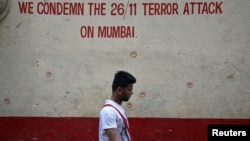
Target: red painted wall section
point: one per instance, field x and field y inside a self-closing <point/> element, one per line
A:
<point x="86" y="129"/>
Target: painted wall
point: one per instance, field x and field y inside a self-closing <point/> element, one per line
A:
<point x="85" y="128"/>
<point x="191" y="58"/>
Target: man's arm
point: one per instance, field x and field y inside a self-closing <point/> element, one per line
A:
<point x="113" y="134"/>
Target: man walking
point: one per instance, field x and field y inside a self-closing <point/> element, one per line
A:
<point x="113" y="122"/>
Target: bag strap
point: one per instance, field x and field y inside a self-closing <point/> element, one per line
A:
<point x="123" y="118"/>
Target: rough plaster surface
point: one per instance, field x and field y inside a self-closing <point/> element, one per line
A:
<point x="47" y="69"/>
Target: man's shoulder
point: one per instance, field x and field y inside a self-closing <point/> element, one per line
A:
<point x="113" y="104"/>
<point x="107" y="110"/>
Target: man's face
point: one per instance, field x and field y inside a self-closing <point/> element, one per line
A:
<point x="127" y="92"/>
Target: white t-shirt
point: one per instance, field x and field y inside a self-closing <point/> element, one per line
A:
<point x="110" y="118"/>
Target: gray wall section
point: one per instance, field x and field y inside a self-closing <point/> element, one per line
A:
<point x="187" y="66"/>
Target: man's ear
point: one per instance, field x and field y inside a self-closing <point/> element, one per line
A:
<point x="119" y="89"/>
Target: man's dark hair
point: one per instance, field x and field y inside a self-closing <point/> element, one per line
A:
<point x="122" y="79"/>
